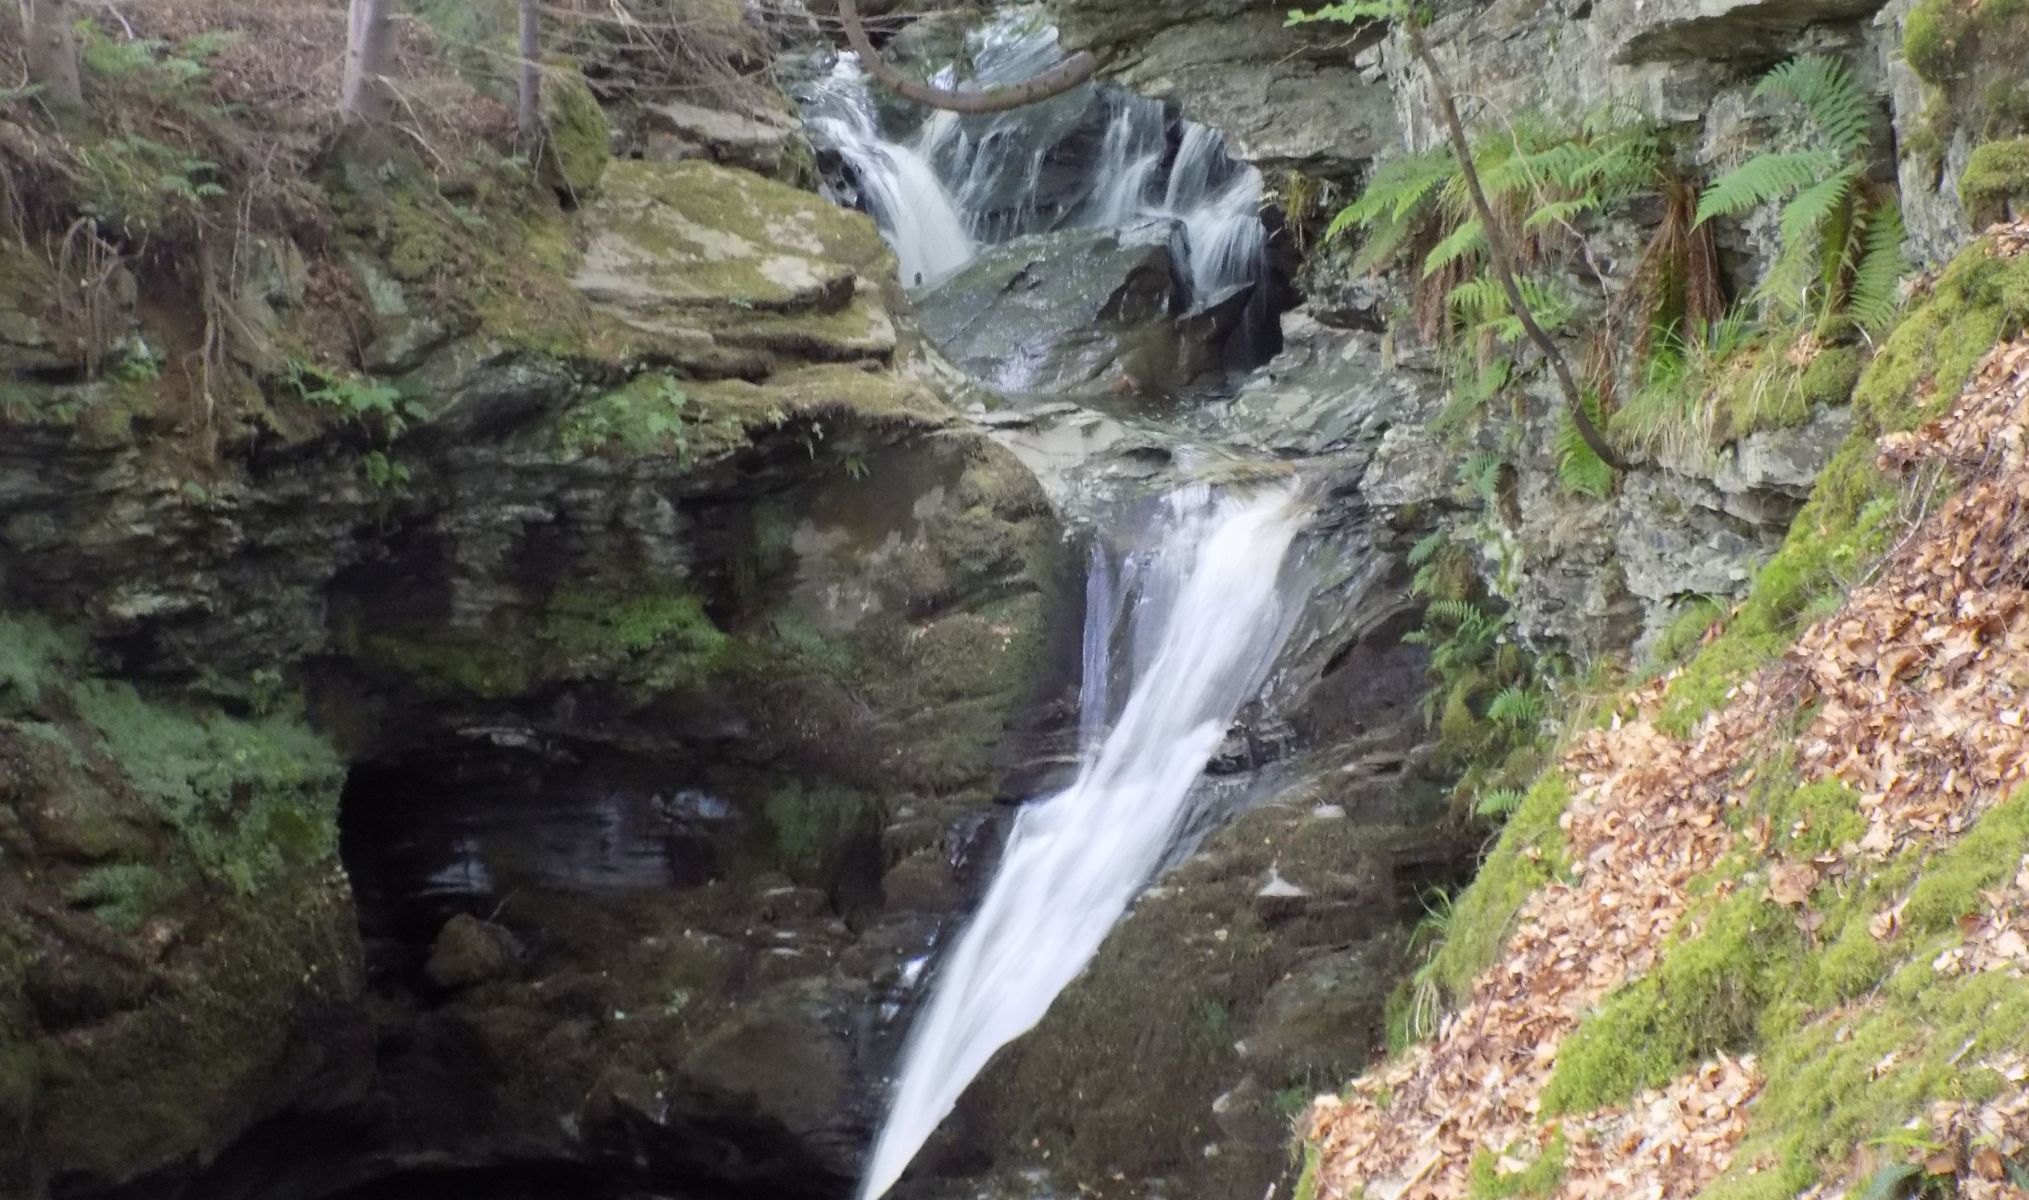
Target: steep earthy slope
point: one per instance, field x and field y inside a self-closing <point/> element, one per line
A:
<point x="1777" y="947"/>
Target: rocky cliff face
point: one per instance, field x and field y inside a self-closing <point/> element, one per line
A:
<point x="1579" y="576"/>
<point x="656" y="499"/>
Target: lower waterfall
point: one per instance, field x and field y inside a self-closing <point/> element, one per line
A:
<point x="1204" y="603"/>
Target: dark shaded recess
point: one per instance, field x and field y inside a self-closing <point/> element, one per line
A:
<point x="456" y="829"/>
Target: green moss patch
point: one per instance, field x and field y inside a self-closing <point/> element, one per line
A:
<point x="1996" y="177"/>
<point x="578" y="139"/>
<point x="1706" y="994"/>
<point x="253" y="801"/>
<point x="1541" y="1177"/>
<point x="1971" y="55"/>
<point x="31" y="650"/>
<point x="658" y="639"/>
<point x="450" y="662"/>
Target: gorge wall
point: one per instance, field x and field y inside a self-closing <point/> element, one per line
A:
<point x="512" y="662"/>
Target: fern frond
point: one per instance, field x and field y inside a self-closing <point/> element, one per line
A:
<point x="1580" y="470"/>
<point x="1498" y="804"/>
<point x="1468" y="239"/>
<point x="1426" y="549"/>
<point x="1803" y="216"/>
<point x="1482" y="473"/>
<point x="1516" y="706"/>
<point x="1761" y="179"/>
<point x="1385" y="242"/>
<point x="1477" y="299"/>
<point x="1872" y="300"/>
<point x="1826" y="90"/>
<point x="1454" y="612"/>
<point x="1791" y="278"/>
<point x="1400" y="187"/>
<point x="1560" y="212"/>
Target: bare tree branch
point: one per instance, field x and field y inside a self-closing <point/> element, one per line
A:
<point x="1054" y="82"/>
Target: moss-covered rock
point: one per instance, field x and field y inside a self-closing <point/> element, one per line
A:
<point x="577" y="139"/>
<point x="1995" y="180"/>
<point x="691" y="242"/>
<point x="191" y="966"/>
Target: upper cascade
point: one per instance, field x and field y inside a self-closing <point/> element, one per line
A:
<point x="1095" y="157"/>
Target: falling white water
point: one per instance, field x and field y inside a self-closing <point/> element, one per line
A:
<point x="900" y="188"/>
<point x="1208" y="619"/>
<point x="955" y="182"/>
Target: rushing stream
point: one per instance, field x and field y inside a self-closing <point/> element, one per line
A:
<point x="1206" y="614"/>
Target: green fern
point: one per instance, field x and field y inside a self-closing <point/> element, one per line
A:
<point x="1399" y="190"/>
<point x="1761" y="179"/>
<point x="1840" y="255"/>
<point x="1498" y="804"/>
<point x="1468" y="239"/>
<point x="1825" y="89"/>
<point x="1482" y="474"/>
<point x="1872" y="300"/>
<point x="1426" y="548"/>
<point x="1580" y="470"/>
<point x="1516" y="707"/>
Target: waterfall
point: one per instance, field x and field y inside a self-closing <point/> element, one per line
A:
<point x="955" y="182"/>
<point x="1206" y="607"/>
<point x="897" y="183"/>
<point x="1221" y="212"/>
<point x="1129" y="158"/>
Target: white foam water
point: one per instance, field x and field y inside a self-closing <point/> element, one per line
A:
<point x="1205" y="602"/>
<point x="915" y="213"/>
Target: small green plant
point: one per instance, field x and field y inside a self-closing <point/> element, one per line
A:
<point x="1481" y="475"/>
<point x="384" y="472"/>
<point x="1498" y="804"/>
<point x="1517" y="707"/>
<point x="647" y="416"/>
<point x="138" y="186"/>
<point x="161" y="71"/>
<point x="1580" y="470"/>
<point x="1841" y="253"/>
<point x="123" y="895"/>
<point x="383" y="408"/>
<point x="251" y="801"/>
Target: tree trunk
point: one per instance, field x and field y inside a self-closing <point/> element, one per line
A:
<point x="52" y="52"/>
<point x="369" y="52"/>
<point x="1501" y="256"/>
<point x="528" y="117"/>
<point x="1054" y="82"/>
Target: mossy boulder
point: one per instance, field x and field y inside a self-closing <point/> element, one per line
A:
<point x="1996" y="180"/>
<point x="577" y="139"/>
<point x="706" y="250"/>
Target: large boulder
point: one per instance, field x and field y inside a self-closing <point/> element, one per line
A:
<point x="1079" y="311"/>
